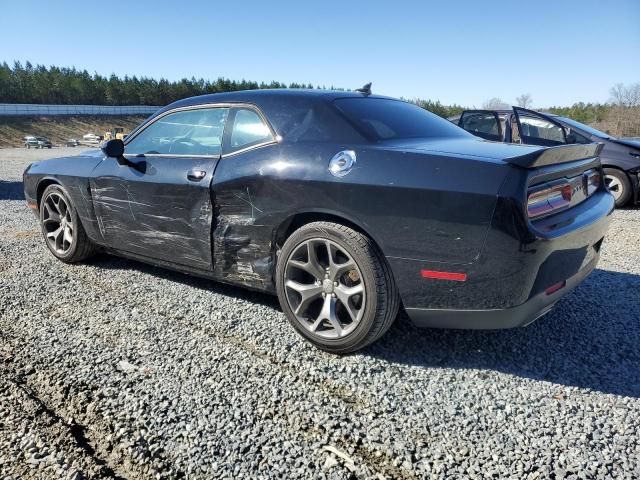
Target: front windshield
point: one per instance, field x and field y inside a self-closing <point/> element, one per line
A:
<point x="585" y="128"/>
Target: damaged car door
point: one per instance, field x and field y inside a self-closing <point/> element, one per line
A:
<point x="158" y="203"/>
<point x="243" y="191"/>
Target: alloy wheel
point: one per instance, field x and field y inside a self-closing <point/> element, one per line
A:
<point x="324" y="288"/>
<point x="615" y="186"/>
<point x="58" y="223"/>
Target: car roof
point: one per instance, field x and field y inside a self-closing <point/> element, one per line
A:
<point x="277" y="104"/>
<point x="257" y="97"/>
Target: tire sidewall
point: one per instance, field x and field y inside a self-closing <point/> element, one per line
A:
<point x="624" y="181"/>
<point x="368" y="278"/>
<point x="74" y="217"/>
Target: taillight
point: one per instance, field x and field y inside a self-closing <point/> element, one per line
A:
<point x="593" y="181"/>
<point x="548" y="200"/>
<point x="558" y="195"/>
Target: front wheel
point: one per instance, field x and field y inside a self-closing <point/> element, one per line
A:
<point x="619" y="185"/>
<point x="335" y="287"/>
<point x="61" y="228"/>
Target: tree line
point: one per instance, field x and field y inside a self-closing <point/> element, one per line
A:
<point x="67" y="86"/>
<point x="64" y="86"/>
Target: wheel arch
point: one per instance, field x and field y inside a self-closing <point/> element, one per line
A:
<point x="634" y="182"/>
<point x="296" y="220"/>
<point x="615" y="167"/>
<point x="42" y="186"/>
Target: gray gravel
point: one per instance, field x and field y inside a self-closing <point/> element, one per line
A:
<point x="113" y="369"/>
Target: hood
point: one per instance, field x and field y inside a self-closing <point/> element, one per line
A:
<point x="76" y="165"/>
<point x="633" y="142"/>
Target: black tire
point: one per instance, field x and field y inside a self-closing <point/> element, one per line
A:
<point x="622" y="186"/>
<point x="81" y="247"/>
<point x="381" y="299"/>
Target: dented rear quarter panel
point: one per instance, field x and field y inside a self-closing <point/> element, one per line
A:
<point x="416" y="206"/>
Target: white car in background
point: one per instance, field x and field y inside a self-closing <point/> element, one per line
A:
<point x="91" y="137"/>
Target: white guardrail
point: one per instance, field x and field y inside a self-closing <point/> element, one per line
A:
<point x="24" y="109"/>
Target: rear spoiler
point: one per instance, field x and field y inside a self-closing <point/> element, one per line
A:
<point x="559" y="154"/>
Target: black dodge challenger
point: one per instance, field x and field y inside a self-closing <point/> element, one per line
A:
<point x="345" y="204"/>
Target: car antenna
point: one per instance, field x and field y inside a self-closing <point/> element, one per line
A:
<point x="365" y="90"/>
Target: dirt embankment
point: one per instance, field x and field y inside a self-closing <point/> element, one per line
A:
<point x="59" y="129"/>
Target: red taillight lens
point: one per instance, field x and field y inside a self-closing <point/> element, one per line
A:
<point x="593" y="182"/>
<point x="555" y="287"/>
<point x="560" y="194"/>
<point x="548" y="200"/>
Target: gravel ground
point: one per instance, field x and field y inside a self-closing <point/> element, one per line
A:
<point x="114" y="369"/>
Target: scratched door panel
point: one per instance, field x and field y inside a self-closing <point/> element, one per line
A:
<point x="151" y="208"/>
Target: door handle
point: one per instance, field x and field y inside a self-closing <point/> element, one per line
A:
<point x="196" y="175"/>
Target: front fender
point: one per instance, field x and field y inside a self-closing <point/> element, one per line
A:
<point x="73" y="174"/>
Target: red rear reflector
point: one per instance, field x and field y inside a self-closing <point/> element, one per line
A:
<point x="555" y="287"/>
<point x="456" y="277"/>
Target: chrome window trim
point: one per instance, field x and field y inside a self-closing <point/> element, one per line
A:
<point x="252" y="147"/>
<point x="166" y="155"/>
<point x="275" y="137"/>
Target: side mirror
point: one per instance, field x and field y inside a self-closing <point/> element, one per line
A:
<point x="571" y="138"/>
<point x="115" y="148"/>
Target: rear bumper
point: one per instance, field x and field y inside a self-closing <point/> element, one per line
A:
<point x="519" y="316"/>
<point x="507" y="286"/>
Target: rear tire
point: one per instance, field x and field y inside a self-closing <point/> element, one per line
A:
<point x="335" y="287"/>
<point x="619" y="185"/>
<point x="61" y="227"/>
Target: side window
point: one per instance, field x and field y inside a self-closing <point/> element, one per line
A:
<point x="482" y="124"/>
<point x="248" y="130"/>
<point x="190" y="132"/>
<point x="546" y="132"/>
<point x="575" y="137"/>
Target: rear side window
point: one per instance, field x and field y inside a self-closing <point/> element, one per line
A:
<point x="575" y="137"/>
<point x="386" y="119"/>
<point x="482" y="124"/>
<point x="543" y="130"/>
<point x="190" y="132"/>
<point x="248" y="130"/>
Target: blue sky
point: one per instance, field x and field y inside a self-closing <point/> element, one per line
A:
<point x="454" y="51"/>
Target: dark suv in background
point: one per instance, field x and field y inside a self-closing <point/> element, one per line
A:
<point x="620" y="157"/>
<point x="37" y="142"/>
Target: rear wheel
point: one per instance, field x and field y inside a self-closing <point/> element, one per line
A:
<point x="63" y="233"/>
<point x="335" y="287"/>
<point x="619" y="185"/>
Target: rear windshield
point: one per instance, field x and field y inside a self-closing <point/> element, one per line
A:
<point x="387" y="119"/>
